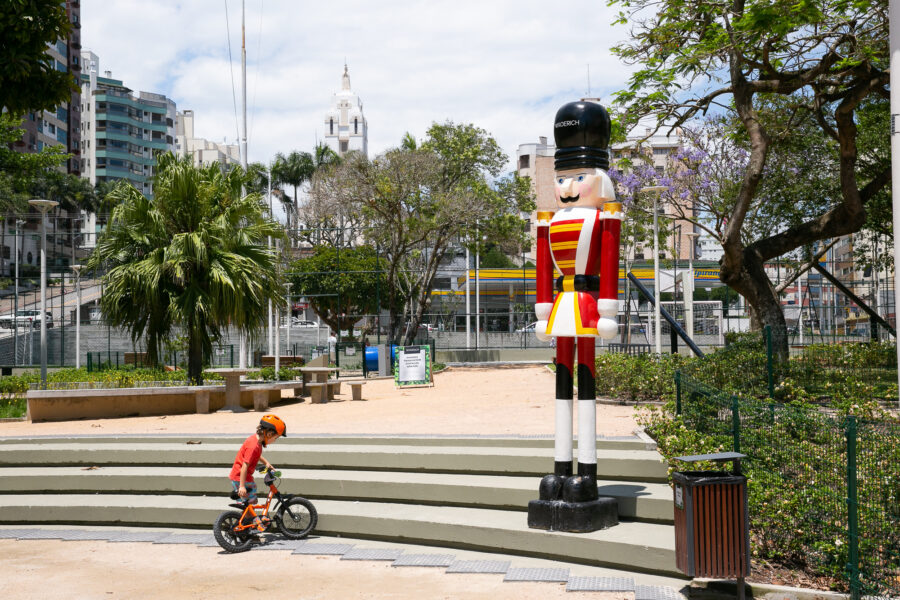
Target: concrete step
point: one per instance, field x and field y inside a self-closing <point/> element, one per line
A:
<point x="535" y="441"/>
<point x="634" y="546"/>
<point x="639" y="501"/>
<point x="612" y="464"/>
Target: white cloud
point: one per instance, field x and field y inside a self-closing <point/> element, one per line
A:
<point x="504" y="65"/>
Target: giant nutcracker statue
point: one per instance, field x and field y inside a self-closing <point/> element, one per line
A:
<point x="581" y="241"/>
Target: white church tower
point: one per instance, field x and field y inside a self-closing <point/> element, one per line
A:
<point x="345" y="125"/>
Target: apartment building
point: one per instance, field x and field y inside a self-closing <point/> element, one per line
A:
<point x="201" y="150"/>
<point x="121" y="131"/>
<point x="62" y="125"/>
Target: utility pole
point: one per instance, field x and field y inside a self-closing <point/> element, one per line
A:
<point x="269" y="196"/>
<point x="242" y="356"/>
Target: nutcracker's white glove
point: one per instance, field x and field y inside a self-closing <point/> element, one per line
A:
<point x="607" y="328"/>
<point x="540" y="331"/>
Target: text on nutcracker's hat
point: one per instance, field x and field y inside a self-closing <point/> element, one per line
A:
<point x="581" y="131"/>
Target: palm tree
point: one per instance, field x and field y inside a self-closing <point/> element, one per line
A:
<point x="294" y="170"/>
<point x="194" y="256"/>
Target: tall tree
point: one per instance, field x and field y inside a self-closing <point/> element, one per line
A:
<point x="825" y="59"/>
<point x="418" y="201"/>
<point x="29" y="79"/>
<point x="294" y="170"/>
<point x="194" y="256"/>
<point x="341" y="284"/>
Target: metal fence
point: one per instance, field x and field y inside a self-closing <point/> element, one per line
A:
<point x="824" y="489"/>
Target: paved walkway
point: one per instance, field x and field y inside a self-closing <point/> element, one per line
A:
<point x="126" y="563"/>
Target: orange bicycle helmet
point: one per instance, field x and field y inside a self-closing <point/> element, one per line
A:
<point x="273" y="423"/>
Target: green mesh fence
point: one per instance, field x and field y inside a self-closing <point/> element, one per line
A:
<point x="878" y="498"/>
<point x="824" y="490"/>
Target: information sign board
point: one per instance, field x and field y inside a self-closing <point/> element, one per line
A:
<point x="412" y="366"/>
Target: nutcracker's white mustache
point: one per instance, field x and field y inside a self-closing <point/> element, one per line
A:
<point x="566" y="200"/>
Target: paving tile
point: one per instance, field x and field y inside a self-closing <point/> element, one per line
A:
<point x="600" y="584"/>
<point x="137" y="536"/>
<point x="656" y="592"/>
<point x="279" y="544"/>
<point x="424" y="560"/>
<point x="323" y="548"/>
<point x="74" y="535"/>
<point x="373" y="554"/>
<point x="533" y="574"/>
<point x="42" y="534"/>
<point x="185" y="538"/>
<point x="479" y="566"/>
<point x="6" y="534"/>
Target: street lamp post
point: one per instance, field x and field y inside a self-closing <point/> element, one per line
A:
<point x="19" y="223"/>
<point x="77" y="270"/>
<point x="290" y="315"/>
<point x="655" y="190"/>
<point x="688" y="290"/>
<point x="43" y="206"/>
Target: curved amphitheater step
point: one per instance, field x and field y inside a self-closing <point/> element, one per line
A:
<point x="453" y="492"/>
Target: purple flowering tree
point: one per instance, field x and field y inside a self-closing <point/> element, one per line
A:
<point x="770" y="68"/>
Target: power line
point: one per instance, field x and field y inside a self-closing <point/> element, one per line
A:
<point x="231" y="71"/>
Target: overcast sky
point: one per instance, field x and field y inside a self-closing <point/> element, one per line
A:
<point x="504" y="65"/>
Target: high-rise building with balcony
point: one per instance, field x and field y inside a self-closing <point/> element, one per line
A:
<point x="121" y="131"/>
<point x="62" y="125"/>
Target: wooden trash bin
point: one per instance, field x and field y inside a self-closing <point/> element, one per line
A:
<point x="711" y="521"/>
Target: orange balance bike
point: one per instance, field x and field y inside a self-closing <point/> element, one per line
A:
<point x="294" y="516"/>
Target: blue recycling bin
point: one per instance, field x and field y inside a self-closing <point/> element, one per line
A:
<point x="372" y="359"/>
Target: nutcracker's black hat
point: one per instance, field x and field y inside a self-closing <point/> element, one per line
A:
<point x="581" y="131"/>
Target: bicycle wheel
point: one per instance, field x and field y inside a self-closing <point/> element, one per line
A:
<point x="297" y="518"/>
<point x="227" y="537"/>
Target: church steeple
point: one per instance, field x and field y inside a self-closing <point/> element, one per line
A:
<point x="345" y="80"/>
<point x="345" y="126"/>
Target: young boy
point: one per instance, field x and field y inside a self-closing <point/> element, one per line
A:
<point x="270" y="429"/>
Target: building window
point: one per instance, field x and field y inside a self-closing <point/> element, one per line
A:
<point x="524" y="161"/>
<point x="355" y="126"/>
<point x="344" y="147"/>
<point x="330" y="126"/>
<point x="661" y="151"/>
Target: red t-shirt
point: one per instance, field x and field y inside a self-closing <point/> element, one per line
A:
<point x="249" y="453"/>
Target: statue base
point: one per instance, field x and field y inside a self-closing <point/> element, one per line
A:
<point x="575" y="517"/>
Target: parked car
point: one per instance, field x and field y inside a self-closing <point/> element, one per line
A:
<point x="527" y="329"/>
<point x="24" y="318"/>
<point x="26" y="315"/>
<point x="296" y="322"/>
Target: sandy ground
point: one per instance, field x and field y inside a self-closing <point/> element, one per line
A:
<point x="499" y="401"/>
<point x="464" y="400"/>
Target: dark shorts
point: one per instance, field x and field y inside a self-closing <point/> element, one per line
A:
<point x="251" y="489"/>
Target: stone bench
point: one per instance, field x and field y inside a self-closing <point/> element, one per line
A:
<point x="71" y="404"/>
<point x="322" y="392"/>
<point x="356" y="388"/>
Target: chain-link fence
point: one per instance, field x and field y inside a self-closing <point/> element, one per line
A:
<point x="824" y="489"/>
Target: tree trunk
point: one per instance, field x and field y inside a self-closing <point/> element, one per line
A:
<point x="754" y="285"/>
<point x="195" y="355"/>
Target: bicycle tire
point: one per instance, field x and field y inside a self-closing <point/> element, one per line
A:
<point x="297" y="518"/>
<point x="230" y="540"/>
